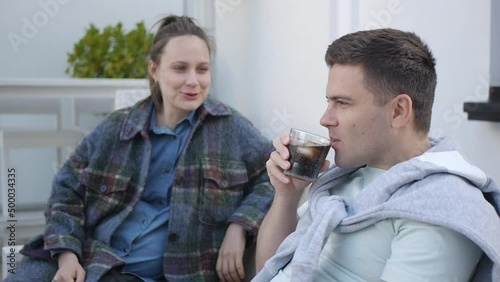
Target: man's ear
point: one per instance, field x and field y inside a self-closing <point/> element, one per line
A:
<point x="402" y="107"/>
<point x="152" y="70"/>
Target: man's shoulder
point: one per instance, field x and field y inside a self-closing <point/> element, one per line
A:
<point x="437" y="251"/>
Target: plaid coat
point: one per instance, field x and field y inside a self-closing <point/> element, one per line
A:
<point x="220" y="178"/>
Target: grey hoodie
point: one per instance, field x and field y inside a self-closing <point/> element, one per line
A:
<point x="438" y="187"/>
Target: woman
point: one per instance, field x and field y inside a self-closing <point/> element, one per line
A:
<point x="172" y="188"/>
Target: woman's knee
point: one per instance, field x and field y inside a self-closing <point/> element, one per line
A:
<point x="30" y="270"/>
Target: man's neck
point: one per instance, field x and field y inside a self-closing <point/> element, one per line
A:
<point x="404" y="149"/>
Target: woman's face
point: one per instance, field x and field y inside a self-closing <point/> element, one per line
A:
<point x="183" y="74"/>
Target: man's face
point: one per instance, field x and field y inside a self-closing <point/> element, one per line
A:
<point x="358" y="126"/>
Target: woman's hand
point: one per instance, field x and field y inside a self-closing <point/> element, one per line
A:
<point x="70" y="269"/>
<point x="230" y="261"/>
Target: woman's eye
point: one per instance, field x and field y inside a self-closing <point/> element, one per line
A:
<point x="179" y="68"/>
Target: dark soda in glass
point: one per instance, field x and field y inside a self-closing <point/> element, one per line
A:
<point x="306" y="159"/>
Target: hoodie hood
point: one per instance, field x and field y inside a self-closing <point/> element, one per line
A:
<point x="454" y="163"/>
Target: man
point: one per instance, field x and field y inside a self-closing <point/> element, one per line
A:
<point x="397" y="205"/>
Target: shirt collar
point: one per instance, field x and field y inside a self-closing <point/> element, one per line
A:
<point x="138" y="117"/>
<point x="191" y="118"/>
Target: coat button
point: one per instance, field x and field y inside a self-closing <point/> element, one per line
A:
<point x="104" y="188"/>
<point x="173" y="237"/>
<point x="224" y="183"/>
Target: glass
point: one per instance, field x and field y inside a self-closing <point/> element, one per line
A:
<point x="307" y="154"/>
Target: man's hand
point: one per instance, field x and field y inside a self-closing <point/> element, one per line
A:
<point x="281" y="219"/>
<point x="230" y="261"/>
<point x="70" y="269"/>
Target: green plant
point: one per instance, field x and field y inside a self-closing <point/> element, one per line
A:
<point x="111" y="53"/>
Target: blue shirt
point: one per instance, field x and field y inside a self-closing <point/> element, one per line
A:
<point x="141" y="239"/>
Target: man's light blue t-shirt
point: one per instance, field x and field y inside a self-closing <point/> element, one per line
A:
<point x="381" y="251"/>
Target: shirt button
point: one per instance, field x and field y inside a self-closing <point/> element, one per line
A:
<point x="125" y="250"/>
<point x="175" y="137"/>
<point x="144" y="222"/>
<point x="104" y="188"/>
<point x="173" y="237"/>
<point x="167" y="170"/>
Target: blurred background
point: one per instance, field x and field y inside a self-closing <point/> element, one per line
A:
<point x="269" y="64"/>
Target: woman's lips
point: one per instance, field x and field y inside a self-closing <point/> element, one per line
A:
<point x="188" y="95"/>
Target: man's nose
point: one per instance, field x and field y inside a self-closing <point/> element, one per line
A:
<point x="329" y="118"/>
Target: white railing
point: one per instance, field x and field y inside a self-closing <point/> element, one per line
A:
<point x="66" y="99"/>
<point x="62" y="97"/>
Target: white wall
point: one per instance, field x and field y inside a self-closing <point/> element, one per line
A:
<point x="35" y="36"/>
<point x="270" y="60"/>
